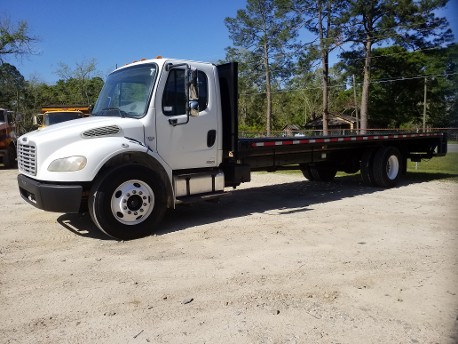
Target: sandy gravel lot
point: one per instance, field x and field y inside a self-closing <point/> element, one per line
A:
<point x="282" y="260"/>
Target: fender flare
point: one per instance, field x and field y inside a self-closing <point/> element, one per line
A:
<point x="150" y="160"/>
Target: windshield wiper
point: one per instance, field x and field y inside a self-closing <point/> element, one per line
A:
<point x="112" y="111"/>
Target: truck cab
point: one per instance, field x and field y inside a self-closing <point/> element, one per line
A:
<point x="154" y="139"/>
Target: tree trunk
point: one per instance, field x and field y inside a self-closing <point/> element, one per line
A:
<point x="268" y="90"/>
<point x="366" y="84"/>
<point x="324" y="47"/>
<point x="324" y="60"/>
<point x="368" y="20"/>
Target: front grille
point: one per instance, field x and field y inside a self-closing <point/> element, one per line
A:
<point x="27" y="159"/>
<point x="103" y="131"/>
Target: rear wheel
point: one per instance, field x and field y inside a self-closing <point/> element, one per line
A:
<point x="306" y="172"/>
<point x="366" y="168"/>
<point x="387" y="167"/>
<point x="128" y="202"/>
<point x="323" y="172"/>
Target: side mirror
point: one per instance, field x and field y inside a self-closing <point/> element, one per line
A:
<point x="10" y="118"/>
<point x="193" y="106"/>
<point x="190" y="83"/>
<point x="38" y="120"/>
<point x="193" y="92"/>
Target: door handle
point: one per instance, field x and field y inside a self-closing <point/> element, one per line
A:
<point x="211" y="138"/>
<point x="179" y="120"/>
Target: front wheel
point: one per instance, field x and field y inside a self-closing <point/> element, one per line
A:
<point x="128" y="202"/>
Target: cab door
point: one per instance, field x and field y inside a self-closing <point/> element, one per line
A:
<point x="185" y="141"/>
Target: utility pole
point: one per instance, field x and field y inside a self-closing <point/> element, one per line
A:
<point x="424" y="108"/>
<point x="356" y="104"/>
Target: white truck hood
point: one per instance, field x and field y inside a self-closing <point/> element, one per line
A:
<point x="94" y="137"/>
<point x="65" y="132"/>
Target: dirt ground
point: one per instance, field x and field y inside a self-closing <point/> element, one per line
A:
<point x="281" y="260"/>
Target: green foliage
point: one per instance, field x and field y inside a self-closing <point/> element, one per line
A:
<point x="28" y="97"/>
<point x="305" y="98"/>
<point x="406" y="23"/>
<point x="398" y="81"/>
<point x="417" y="37"/>
<point x="396" y="46"/>
<point x="396" y="102"/>
<point x="324" y="19"/>
<point x="15" y="40"/>
<point x="442" y="86"/>
<point x="261" y="33"/>
<point x="12" y="85"/>
<point x="77" y="86"/>
<point x="79" y="82"/>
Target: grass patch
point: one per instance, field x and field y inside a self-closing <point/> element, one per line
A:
<point x="447" y="165"/>
<point x="441" y="168"/>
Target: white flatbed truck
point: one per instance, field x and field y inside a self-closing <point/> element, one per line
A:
<point x="165" y="131"/>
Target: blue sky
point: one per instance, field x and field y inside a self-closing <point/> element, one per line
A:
<point x="118" y="32"/>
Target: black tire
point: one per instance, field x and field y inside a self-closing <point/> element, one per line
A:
<point x="128" y="202"/>
<point x="9" y="160"/>
<point x="352" y="165"/>
<point x="306" y="172"/>
<point x="387" y="167"/>
<point x="366" y="168"/>
<point x="323" y="173"/>
<point x="351" y="169"/>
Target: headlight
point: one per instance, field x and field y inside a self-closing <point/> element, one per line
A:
<point x="68" y="164"/>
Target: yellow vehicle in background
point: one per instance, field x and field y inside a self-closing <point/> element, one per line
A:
<point x="60" y="113"/>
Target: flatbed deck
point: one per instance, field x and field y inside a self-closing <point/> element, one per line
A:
<point x="272" y="152"/>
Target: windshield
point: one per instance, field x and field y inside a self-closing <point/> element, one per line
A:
<point x="126" y="92"/>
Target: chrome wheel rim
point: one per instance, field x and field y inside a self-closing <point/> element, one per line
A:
<point x="132" y="202"/>
<point x="392" y="167"/>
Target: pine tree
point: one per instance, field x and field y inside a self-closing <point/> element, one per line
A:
<point x="407" y="23"/>
<point x="322" y="18"/>
<point x="265" y="30"/>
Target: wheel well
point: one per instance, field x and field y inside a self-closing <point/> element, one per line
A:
<point x="145" y="160"/>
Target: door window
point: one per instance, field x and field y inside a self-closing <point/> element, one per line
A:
<point x="174" y="97"/>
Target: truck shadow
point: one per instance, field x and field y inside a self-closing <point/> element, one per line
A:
<point x="82" y="225"/>
<point x="278" y="199"/>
